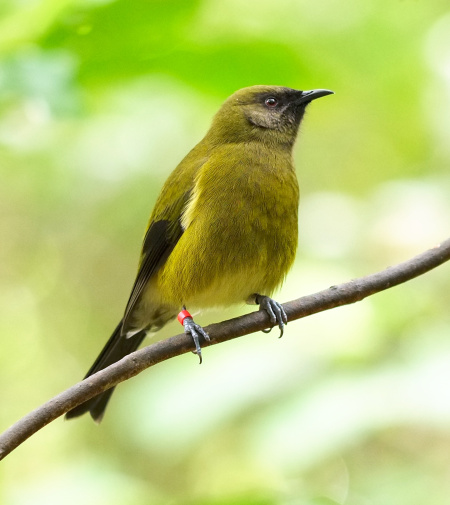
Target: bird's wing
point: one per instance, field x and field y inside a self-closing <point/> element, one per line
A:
<point x="162" y="235"/>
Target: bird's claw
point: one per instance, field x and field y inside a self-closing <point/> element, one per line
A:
<point x="194" y="330"/>
<point x="275" y="310"/>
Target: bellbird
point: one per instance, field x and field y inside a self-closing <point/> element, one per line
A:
<point x="224" y="227"/>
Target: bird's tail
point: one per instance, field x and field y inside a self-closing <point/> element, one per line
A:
<point x="115" y="349"/>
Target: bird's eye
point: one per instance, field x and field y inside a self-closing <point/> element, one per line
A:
<point x="271" y="102"/>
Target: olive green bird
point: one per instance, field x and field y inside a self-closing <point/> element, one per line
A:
<point x="224" y="228"/>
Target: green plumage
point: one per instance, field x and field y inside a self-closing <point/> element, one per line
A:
<point x="224" y="228"/>
<point x="243" y="213"/>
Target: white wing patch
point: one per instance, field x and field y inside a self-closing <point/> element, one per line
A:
<point x="189" y="208"/>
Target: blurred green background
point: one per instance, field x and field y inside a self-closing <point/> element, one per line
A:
<point x="99" y="100"/>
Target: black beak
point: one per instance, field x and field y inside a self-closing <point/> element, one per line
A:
<point x="309" y="96"/>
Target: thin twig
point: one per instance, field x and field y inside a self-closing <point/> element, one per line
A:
<point x="138" y="361"/>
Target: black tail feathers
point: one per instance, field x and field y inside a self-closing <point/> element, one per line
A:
<point x="115" y="349"/>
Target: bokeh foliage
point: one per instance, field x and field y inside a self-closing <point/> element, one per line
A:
<point x="99" y="100"/>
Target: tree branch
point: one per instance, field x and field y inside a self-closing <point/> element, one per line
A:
<point x="138" y="361"/>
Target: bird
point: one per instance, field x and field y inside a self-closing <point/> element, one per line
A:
<point x="223" y="229"/>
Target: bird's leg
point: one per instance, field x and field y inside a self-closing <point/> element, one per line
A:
<point x="193" y="329"/>
<point x="277" y="314"/>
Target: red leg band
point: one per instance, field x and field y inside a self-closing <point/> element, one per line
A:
<point x="183" y="315"/>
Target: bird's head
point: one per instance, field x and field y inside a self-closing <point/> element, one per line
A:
<point x="270" y="114"/>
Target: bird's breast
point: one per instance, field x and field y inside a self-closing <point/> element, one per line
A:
<point x="240" y="232"/>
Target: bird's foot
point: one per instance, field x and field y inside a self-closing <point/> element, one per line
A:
<point x="194" y="330"/>
<point x="277" y="314"/>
